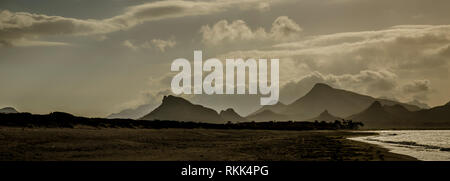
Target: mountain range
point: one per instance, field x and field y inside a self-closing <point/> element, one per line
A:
<point x="321" y="103"/>
<point x="397" y="116"/>
<point x="325" y="116"/>
<point x="322" y="97"/>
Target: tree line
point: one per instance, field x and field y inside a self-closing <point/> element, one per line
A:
<point x="65" y="120"/>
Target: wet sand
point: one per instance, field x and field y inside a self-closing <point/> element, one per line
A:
<point x="187" y="144"/>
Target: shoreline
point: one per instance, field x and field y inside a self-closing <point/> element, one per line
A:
<point x="424" y="145"/>
<point x="174" y="144"/>
<point x="391" y="155"/>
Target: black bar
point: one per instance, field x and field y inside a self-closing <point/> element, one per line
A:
<point x="275" y="170"/>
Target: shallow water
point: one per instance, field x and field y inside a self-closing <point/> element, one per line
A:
<point x="427" y="145"/>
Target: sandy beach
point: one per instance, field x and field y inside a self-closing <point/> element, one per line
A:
<point x="32" y="144"/>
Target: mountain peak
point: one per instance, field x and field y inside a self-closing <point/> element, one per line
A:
<point x="320" y="89"/>
<point x="170" y="99"/>
<point x="229" y="110"/>
<point x="325" y="112"/>
<point x="179" y="109"/>
<point x="8" y="110"/>
<point x="322" y="86"/>
<point x="231" y="115"/>
<point x="325" y="116"/>
<point x="375" y="105"/>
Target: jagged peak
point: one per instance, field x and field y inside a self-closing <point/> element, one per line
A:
<point x="322" y="86"/>
<point x="375" y="104"/>
<point x="229" y="110"/>
<point x="174" y="99"/>
<point x="325" y="112"/>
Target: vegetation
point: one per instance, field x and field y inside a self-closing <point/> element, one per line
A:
<point x="65" y="120"/>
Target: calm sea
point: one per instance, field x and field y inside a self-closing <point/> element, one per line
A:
<point x="429" y="145"/>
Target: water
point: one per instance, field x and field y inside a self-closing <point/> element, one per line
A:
<point x="427" y="145"/>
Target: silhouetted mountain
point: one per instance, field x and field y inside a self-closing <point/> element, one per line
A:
<point x="278" y="107"/>
<point x="397" y="116"/>
<point x="8" y="110"/>
<point x="342" y="103"/>
<point x="434" y="116"/>
<point x="267" y="115"/>
<point x="133" y="113"/>
<point x="231" y="115"/>
<point x="379" y="116"/>
<point x="179" y="109"/>
<point x="325" y="116"/>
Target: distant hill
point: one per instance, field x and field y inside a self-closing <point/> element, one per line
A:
<point x="379" y="116"/>
<point x="267" y="115"/>
<point x="8" y="110"/>
<point x="231" y="115"/>
<point x="132" y="113"/>
<point x="439" y="115"/>
<point x="322" y="97"/>
<point x="325" y="116"/>
<point x="279" y="107"/>
<point x="179" y="109"/>
<point x="397" y="116"/>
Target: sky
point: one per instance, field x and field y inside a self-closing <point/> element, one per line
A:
<point x="94" y="58"/>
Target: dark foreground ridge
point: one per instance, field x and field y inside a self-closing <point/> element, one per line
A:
<point x="65" y="120"/>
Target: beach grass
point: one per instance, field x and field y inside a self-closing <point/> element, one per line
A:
<point x="31" y="144"/>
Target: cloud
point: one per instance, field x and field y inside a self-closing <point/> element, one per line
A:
<point x="158" y="44"/>
<point x="28" y="26"/>
<point x="376" y="83"/>
<point x="16" y="29"/>
<point x="163" y="44"/>
<point x="417" y="86"/>
<point x="417" y="89"/>
<point x="411" y="52"/>
<point x="127" y="43"/>
<point x="283" y="28"/>
<point x="406" y="49"/>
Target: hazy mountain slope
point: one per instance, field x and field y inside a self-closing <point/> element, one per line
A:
<point x="340" y="102"/>
<point x="438" y="114"/>
<point x="267" y="115"/>
<point x="325" y="116"/>
<point x="419" y="104"/>
<point x="276" y="108"/>
<point x="397" y="116"/>
<point x="133" y="113"/>
<point x="231" y="115"/>
<point x="379" y="116"/>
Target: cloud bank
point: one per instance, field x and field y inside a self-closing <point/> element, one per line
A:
<point x="282" y="29"/>
<point x="369" y="62"/>
<point x="22" y="28"/>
